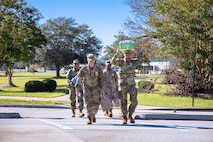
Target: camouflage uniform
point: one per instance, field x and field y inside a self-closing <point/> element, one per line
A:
<point x="111" y="88"/>
<point x="93" y="82"/>
<point x="72" y="92"/>
<point x="127" y="83"/>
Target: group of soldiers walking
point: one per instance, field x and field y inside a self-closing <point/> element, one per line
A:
<point x="91" y="83"/>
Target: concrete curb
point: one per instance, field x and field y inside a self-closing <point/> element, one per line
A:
<point x="9" y="115"/>
<point x="143" y="114"/>
<point x="174" y="117"/>
<point x="184" y="109"/>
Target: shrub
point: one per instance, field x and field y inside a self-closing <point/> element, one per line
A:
<point x="171" y="76"/>
<point x="145" y="86"/>
<point x="34" y="86"/>
<point x="183" y="82"/>
<point x="40" y="86"/>
<point x="50" y="85"/>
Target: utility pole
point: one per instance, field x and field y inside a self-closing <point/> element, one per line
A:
<point x="194" y="67"/>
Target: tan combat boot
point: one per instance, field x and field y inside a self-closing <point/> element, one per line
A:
<point x="89" y="121"/>
<point x="81" y="114"/>
<point x="110" y="113"/>
<point x="73" y="112"/>
<point x="106" y="113"/>
<point x="124" y="120"/>
<point x="93" y="118"/>
<point x="130" y="118"/>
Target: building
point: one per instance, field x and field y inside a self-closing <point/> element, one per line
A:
<point x="157" y="66"/>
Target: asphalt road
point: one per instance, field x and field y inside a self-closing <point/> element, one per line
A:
<point x="56" y="125"/>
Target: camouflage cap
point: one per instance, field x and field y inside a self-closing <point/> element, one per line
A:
<point x="91" y="56"/>
<point x="127" y="51"/>
<point x="108" y="62"/>
<point x="76" y="61"/>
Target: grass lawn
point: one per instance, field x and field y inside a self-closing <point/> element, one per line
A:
<point x="20" y="78"/>
<point x="155" y="98"/>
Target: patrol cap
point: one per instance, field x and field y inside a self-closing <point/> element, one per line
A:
<point x="91" y="56"/>
<point x="76" y="61"/>
<point x="108" y="62"/>
<point x="128" y="51"/>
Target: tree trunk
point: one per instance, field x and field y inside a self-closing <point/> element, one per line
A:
<point x="9" y="72"/>
<point x="57" y="71"/>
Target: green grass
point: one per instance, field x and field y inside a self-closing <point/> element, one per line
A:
<point x="152" y="76"/>
<point x="155" y="98"/>
<point x="20" y="78"/>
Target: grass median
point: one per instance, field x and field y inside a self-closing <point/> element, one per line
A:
<point x="154" y="98"/>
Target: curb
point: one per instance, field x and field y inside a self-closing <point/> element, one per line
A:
<point x="144" y="116"/>
<point x="38" y="106"/>
<point x="185" y="109"/>
<point x="174" y="117"/>
<point x="9" y="115"/>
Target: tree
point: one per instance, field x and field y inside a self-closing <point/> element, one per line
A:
<point x="19" y="34"/>
<point x="66" y="42"/>
<point x="142" y="11"/>
<point x="144" y="44"/>
<point x="87" y="42"/>
<point x="175" y="23"/>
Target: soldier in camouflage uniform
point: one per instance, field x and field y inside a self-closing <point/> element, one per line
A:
<point x="92" y="78"/>
<point x="111" y="88"/>
<point x="126" y="82"/>
<point x="72" y="90"/>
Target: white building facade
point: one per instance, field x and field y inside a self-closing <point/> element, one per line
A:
<point x="158" y="66"/>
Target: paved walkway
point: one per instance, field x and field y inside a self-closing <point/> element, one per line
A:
<point x="63" y="98"/>
<point x="141" y="112"/>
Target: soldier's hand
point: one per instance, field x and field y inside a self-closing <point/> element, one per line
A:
<point x="136" y="51"/>
<point x="102" y="92"/>
<point x="118" y="51"/>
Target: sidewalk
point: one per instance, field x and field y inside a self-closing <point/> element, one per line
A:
<point x="141" y="112"/>
<point x="64" y="97"/>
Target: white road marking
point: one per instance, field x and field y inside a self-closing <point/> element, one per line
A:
<point x="63" y="127"/>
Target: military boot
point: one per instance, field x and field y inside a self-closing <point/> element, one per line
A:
<point x="110" y="113"/>
<point x="124" y="120"/>
<point x="106" y="113"/>
<point x="130" y="118"/>
<point x="93" y="118"/>
<point x="81" y="114"/>
<point x="89" y="121"/>
<point x="73" y="112"/>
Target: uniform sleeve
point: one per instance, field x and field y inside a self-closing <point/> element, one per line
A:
<point x="80" y="77"/>
<point x="115" y="60"/>
<point x="69" y="75"/>
<point x="102" y="79"/>
<point x="116" y="79"/>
